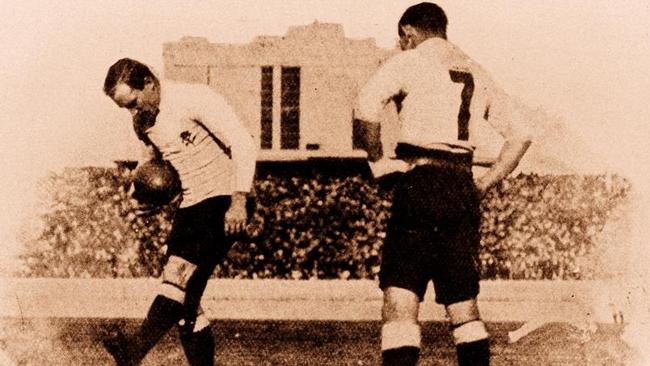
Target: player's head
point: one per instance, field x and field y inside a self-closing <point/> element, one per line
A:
<point x="132" y="85"/>
<point x="421" y="22"/>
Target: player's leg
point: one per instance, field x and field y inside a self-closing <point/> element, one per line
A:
<point x="457" y="286"/>
<point x="470" y="335"/>
<point x="213" y="245"/>
<point x="198" y="341"/>
<point x="400" y="332"/>
<point x="457" y="275"/>
<point x="403" y="276"/>
<point x="404" y="288"/>
<point x="194" y="329"/>
<point x="165" y="310"/>
<point x="168" y="307"/>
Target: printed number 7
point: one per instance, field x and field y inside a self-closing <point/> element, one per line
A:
<point x="467" y="80"/>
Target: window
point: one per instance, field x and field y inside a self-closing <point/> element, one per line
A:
<point x="266" y="93"/>
<point x="357" y="134"/>
<point x="290" y="108"/>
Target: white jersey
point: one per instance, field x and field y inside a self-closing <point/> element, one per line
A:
<point x="443" y="96"/>
<point x="200" y="135"/>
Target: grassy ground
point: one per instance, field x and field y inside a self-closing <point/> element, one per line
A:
<point x="73" y="342"/>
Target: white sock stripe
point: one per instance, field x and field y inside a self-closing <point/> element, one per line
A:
<point x="400" y="334"/>
<point x="172" y="292"/>
<point x="470" y="332"/>
<point x="201" y="323"/>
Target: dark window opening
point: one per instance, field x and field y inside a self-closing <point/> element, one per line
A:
<point x="266" y="120"/>
<point x="290" y="108"/>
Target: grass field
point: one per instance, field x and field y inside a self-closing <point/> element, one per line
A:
<point x="63" y="341"/>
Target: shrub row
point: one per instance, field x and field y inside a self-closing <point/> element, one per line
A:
<point x="319" y="226"/>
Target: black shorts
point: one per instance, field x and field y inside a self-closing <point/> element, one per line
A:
<point x="433" y="234"/>
<point x="198" y="234"/>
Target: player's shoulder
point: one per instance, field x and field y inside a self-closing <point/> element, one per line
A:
<point x="457" y="59"/>
<point x="401" y="59"/>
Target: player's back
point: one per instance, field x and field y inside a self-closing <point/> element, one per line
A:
<point x="444" y="94"/>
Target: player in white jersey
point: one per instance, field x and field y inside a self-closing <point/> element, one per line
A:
<point x="433" y="232"/>
<point x="199" y="134"/>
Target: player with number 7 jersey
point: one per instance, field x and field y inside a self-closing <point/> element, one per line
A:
<point x="446" y="94"/>
<point x="433" y="231"/>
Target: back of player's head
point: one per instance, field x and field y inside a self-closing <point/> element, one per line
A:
<point x="425" y="16"/>
<point x="131" y="72"/>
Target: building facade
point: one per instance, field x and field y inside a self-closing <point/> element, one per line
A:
<point x="295" y="93"/>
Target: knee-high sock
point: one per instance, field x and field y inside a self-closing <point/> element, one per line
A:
<point x="472" y="344"/>
<point x="162" y="315"/>
<point x="195" y="332"/>
<point x="198" y="342"/>
<point x="400" y="343"/>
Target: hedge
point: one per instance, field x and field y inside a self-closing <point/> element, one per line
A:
<point x="319" y="226"/>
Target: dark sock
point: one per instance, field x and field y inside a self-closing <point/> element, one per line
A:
<point x="198" y="347"/>
<point x="403" y="356"/>
<point x="163" y="314"/>
<point x="474" y="353"/>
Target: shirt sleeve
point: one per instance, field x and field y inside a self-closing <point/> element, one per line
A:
<point x="382" y="87"/>
<point x="506" y="116"/>
<point x="220" y="119"/>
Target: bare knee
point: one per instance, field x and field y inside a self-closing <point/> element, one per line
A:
<point x="178" y="271"/>
<point x="176" y="274"/>
<point x="400" y="305"/>
<point x="399" y="315"/>
<point x="463" y="312"/>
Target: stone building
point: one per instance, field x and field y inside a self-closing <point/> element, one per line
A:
<point x="294" y="92"/>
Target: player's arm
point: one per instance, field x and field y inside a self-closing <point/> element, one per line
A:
<point x="512" y="151"/>
<point x="370" y="139"/>
<point x="380" y="90"/>
<point x="151" y="153"/>
<point x="508" y="121"/>
<point x="220" y="119"/>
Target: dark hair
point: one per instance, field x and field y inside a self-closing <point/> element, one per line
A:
<point x="428" y="17"/>
<point x="131" y="72"/>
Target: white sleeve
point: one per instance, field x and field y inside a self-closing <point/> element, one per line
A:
<point x="506" y="117"/>
<point x="220" y="119"/>
<point x="385" y="84"/>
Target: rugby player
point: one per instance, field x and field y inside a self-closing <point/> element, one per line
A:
<point x="196" y="130"/>
<point x="433" y="232"/>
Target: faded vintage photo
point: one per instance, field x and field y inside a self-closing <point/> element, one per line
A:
<point x="317" y="182"/>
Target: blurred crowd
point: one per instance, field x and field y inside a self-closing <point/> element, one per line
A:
<point x="318" y="226"/>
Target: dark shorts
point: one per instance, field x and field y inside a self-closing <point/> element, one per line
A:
<point x="198" y="234"/>
<point x="433" y="234"/>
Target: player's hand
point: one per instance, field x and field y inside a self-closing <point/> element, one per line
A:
<point x="176" y="201"/>
<point x="236" y="216"/>
<point x="387" y="166"/>
<point x="141" y="209"/>
<point x="387" y="172"/>
<point x="481" y="187"/>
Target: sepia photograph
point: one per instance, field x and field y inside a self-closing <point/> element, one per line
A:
<point x="312" y="182"/>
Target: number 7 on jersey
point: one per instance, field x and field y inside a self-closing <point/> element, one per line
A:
<point x="467" y="80"/>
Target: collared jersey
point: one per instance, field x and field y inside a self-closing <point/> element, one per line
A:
<point x="441" y="95"/>
<point x="201" y="136"/>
